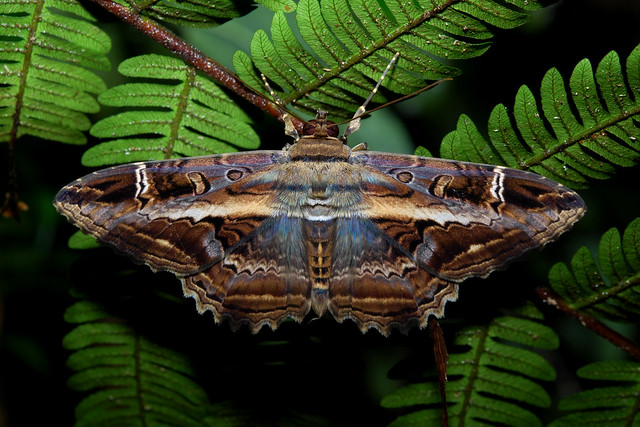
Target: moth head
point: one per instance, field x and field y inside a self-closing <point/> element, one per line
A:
<point x="320" y="126"/>
<point x="319" y="140"/>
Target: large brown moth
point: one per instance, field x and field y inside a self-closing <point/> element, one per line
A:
<point x="262" y="236"/>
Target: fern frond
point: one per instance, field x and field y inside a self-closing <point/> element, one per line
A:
<point x="131" y="380"/>
<point x="604" y="135"/>
<point x="46" y="49"/>
<point x="190" y="13"/>
<point x="609" y="406"/>
<point x="79" y="240"/>
<point x="488" y="382"/>
<point x="609" y="287"/>
<point x="285" y="6"/>
<point x="351" y="42"/>
<point x="192" y="117"/>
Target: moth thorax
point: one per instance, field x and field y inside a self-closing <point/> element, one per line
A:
<point x="325" y="149"/>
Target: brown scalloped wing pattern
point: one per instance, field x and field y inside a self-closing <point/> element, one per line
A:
<point x="260" y="237"/>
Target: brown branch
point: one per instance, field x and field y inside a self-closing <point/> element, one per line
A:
<point x="195" y="58"/>
<point x="442" y="357"/>
<point x="548" y="296"/>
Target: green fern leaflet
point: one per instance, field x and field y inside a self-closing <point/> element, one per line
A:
<point x="46" y="51"/>
<point x="346" y="45"/>
<point x="617" y="405"/>
<point x="192" y="117"/>
<point x="131" y="380"/>
<point x="589" y="146"/>
<point x="609" y="287"/>
<point x="190" y="13"/>
<point x="491" y="382"/>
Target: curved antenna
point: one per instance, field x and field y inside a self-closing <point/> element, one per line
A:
<point x="354" y="123"/>
<point x="289" y="127"/>
<point x="395" y="101"/>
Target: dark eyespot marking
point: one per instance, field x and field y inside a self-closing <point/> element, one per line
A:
<point x="405" y="177"/>
<point x="234" y="174"/>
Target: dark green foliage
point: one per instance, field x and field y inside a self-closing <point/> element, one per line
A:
<point x="575" y="149"/>
<point x="611" y="405"/>
<point x="608" y="287"/>
<point x="132" y="381"/>
<point x="192" y="13"/>
<point x="79" y="240"/>
<point x="349" y="44"/>
<point x="492" y="380"/>
<point x="46" y="52"/>
<point x="285" y="6"/>
<point x="192" y="117"/>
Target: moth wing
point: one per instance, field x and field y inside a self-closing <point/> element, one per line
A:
<point x="378" y="283"/>
<point x="176" y="215"/>
<point x="263" y="281"/>
<point x="463" y="219"/>
<point x="209" y="220"/>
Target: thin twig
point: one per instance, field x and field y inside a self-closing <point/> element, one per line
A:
<point x="548" y="296"/>
<point x="195" y="58"/>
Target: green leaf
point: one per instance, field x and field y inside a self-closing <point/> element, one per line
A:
<point x="130" y="380"/>
<point x="346" y="45"/>
<point x="79" y="240"/>
<point x="489" y="381"/>
<point x="285" y="6"/>
<point x="191" y="13"/>
<point x="422" y="151"/>
<point x="609" y="287"/>
<point x="192" y="117"/>
<point x="577" y="148"/>
<point x="46" y="51"/>
<point x="475" y="146"/>
<point x="610" y="405"/>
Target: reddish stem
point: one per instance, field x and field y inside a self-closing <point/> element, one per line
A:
<point x="442" y="357"/>
<point x="195" y="58"/>
<point x="548" y="296"/>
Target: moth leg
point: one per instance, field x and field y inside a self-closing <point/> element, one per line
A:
<point x="442" y="357"/>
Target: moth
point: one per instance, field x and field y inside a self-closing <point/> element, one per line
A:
<point x="263" y="236"/>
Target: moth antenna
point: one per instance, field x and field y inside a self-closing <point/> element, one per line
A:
<point x="274" y="95"/>
<point x="411" y="95"/>
<point x="354" y="124"/>
<point x="289" y="127"/>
